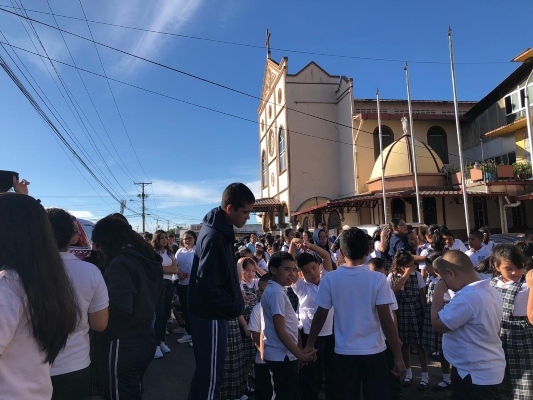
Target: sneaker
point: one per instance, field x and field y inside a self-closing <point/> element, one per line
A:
<point x="185" y="339"/>
<point x="164" y="348"/>
<point x="158" y="353"/>
<point x="180" y="330"/>
<point x="166" y="332"/>
<point x="171" y="321"/>
<point x="190" y="344"/>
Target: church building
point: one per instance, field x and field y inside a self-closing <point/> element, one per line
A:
<point x="320" y="158"/>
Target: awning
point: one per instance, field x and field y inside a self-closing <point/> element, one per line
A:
<point x="506" y="129"/>
<point x="525" y="196"/>
<point x="265" y="204"/>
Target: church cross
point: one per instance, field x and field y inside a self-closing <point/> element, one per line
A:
<point x="267" y="43"/>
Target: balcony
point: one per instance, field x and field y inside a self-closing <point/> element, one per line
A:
<point x="489" y="172"/>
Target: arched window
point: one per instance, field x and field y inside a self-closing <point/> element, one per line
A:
<point x="429" y="207"/>
<point x="388" y="138"/>
<point x="263" y="170"/>
<point x="305" y="224"/>
<point x="281" y="150"/>
<point x="438" y="141"/>
<point x="334" y="220"/>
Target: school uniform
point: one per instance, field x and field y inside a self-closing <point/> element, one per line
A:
<point x="489" y="246"/>
<point x="263" y="380"/>
<point x="360" y="361"/>
<point x="476" y="256"/>
<point x="410" y="313"/>
<point x="472" y="345"/>
<point x="517" y="339"/>
<point x="310" y="377"/>
<point x="432" y="340"/>
<point x="250" y="289"/>
<point x="234" y="384"/>
<point x="281" y="362"/>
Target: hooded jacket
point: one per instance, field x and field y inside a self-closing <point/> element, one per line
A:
<point x="214" y="290"/>
<point x="134" y="284"/>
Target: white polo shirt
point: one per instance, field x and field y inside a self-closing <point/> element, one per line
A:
<point x="257" y="324"/>
<point x="23" y="372"/>
<point x="355" y="292"/>
<point x="473" y="346"/>
<point x="459" y="245"/>
<point x="307" y="293"/>
<point x="477" y="256"/>
<point x="276" y="302"/>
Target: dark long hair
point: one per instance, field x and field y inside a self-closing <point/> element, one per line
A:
<point x="62" y="225"/>
<point x="29" y="248"/>
<point x="437" y="241"/>
<point x="401" y="259"/>
<point x="112" y="235"/>
<point x="157" y="245"/>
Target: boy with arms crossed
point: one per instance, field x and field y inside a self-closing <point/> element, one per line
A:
<point x="361" y="299"/>
<point x="281" y="339"/>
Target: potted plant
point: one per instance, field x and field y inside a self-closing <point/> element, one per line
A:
<point x="489" y="169"/>
<point x="522" y="170"/>
<point x="505" y="171"/>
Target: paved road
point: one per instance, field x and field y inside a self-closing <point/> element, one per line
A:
<point x="169" y="378"/>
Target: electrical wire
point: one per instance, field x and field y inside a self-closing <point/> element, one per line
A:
<point x="229" y="114"/>
<point x="218" y="41"/>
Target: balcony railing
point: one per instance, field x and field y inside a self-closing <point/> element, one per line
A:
<point x="489" y="171"/>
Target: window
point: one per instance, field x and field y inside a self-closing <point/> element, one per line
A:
<point x="305" y="224"/>
<point x="438" y="141"/>
<point x="429" y="208"/>
<point x="480" y="211"/>
<point x="388" y="138"/>
<point x="334" y="220"/>
<point x="518" y="216"/>
<point x="398" y="208"/>
<point x="281" y="150"/>
<point x="264" y="170"/>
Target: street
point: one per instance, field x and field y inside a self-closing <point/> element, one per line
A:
<point x="168" y="378"/>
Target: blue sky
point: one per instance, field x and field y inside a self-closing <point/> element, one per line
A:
<point x="191" y="154"/>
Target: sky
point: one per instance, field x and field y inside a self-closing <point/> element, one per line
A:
<point x="190" y="154"/>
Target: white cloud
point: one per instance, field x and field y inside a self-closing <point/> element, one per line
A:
<point x="84" y="214"/>
<point x="171" y="194"/>
<point x="161" y="15"/>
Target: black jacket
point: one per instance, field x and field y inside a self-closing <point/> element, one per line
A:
<point x="214" y="290"/>
<point x="134" y="284"/>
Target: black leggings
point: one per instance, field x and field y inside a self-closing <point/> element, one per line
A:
<point x="72" y="385"/>
<point x="182" y="295"/>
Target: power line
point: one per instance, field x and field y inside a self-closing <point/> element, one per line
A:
<point x="262" y="47"/>
<point x="184" y="73"/>
<point x="111" y="90"/>
<point x="225" y="113"/>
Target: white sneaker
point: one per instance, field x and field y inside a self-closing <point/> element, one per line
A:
<point x="158" y="353"/>
<point x="164" y="348"/>
<point x="185" y="339"/>
<point x="190" y="344"/>
<point x="180" y="330"/>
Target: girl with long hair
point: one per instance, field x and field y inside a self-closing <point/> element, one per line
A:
<point x="134" y="277"/>
<point x="409" y="288"/>
<point x="185" y="257"/>
<point x="71" y="373"/>
<point x="170" y="268"/>
<point x="38" y="306"/>
<point x="436" y="244"/>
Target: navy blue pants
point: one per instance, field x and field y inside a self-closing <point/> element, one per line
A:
<point x="210" y="339"/>
<point x="124" y="363"/>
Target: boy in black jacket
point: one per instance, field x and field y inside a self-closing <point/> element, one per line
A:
<point x="214" y="292"/>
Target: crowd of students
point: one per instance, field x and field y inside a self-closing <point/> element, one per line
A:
<point x="298" y="311"/>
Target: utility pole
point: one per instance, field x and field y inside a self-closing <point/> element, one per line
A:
<point x="143" y="196"/>
<point x="122" y="206"/>
<point x="157" y="223"/>
<point x="168" y="225"/>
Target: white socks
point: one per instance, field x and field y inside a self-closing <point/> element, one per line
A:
<point x="446" y="378"/>
<point x="408" y="373"/>
<point x="424" y="377"/>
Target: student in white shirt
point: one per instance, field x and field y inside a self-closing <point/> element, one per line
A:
<point x="451" y="242"/>
<point x="184" y="259"/>
<point x="70" y="371"/>
<point x="517" y="328"/>
<point x="487" y="243"/>
<point x="38" y="306"/>
<point x="477" y="252"/>
<point x="282" y="352"/>
<point x="361" y="299"/>
<point x="263" y="381"/>
<point x="435" y="242"/>
<point x="306" y="289"/>
<point x="470" y="324"/>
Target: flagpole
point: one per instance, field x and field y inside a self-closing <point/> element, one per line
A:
<point x="382" y="161"/>
<point x="415" y="170"/>
<point x="458" y="126"/>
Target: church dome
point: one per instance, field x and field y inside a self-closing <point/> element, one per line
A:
<point x="398" y="159"/>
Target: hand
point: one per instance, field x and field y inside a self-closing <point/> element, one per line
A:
<point x="297" y="241"/>
<point x="308" y="355"/>
<point x="384" y="233"/>
<point x="247" y="299"/>
<point x="399" y="368"/>
<point x="440" y="288"/>
<point x="20" y="187"/>
<point x="529" y="279"/>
